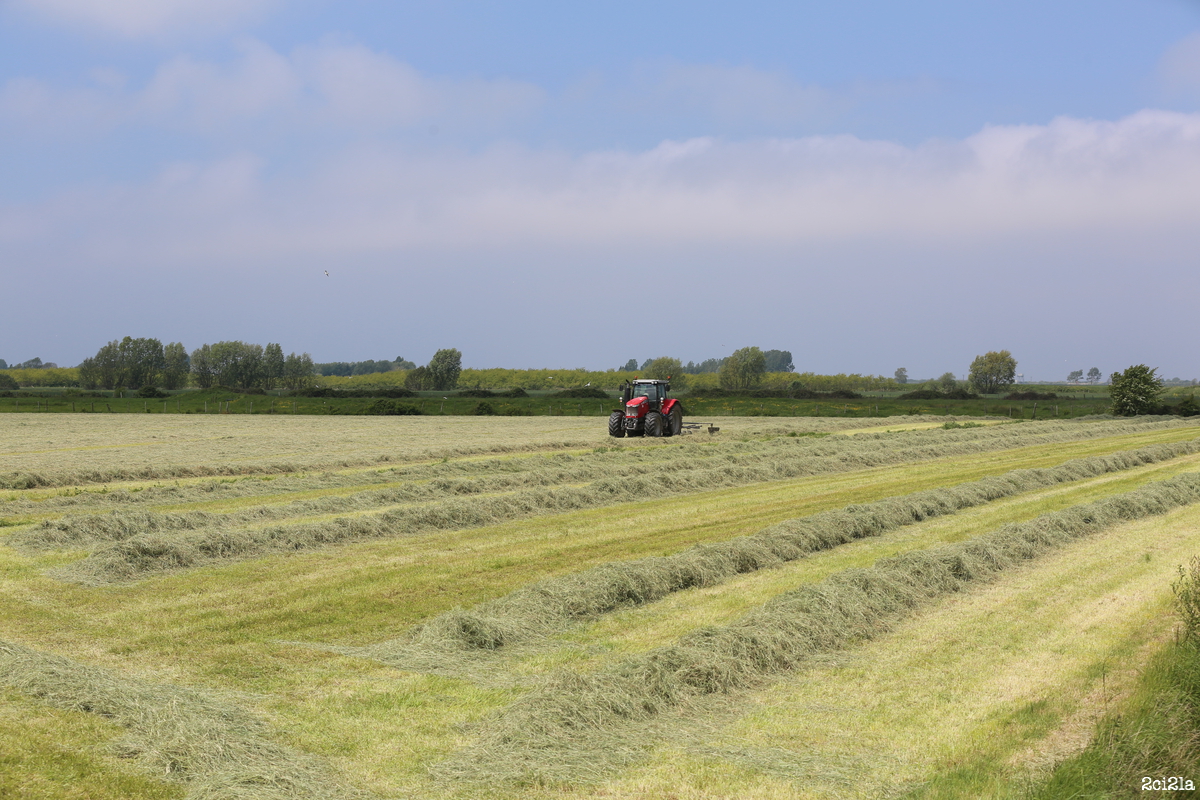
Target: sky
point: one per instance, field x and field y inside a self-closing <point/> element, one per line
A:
<point x="868" y="184"/>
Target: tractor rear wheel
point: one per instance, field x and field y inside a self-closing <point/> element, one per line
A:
<point x="675" y="422"/>
<point x="616" y="424"/>
<point x="654" y="426"/>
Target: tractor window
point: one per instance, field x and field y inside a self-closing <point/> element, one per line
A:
<point x="647" y="390"/>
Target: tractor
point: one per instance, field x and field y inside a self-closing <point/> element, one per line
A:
<point x="646" y="410"/>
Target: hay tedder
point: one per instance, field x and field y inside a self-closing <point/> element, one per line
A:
<point x="646" y="410"/>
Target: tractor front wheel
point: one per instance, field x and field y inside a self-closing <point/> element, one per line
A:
<point x="675" y="422"/>
<point x="654" y="426"/>
<point x="616" y="424"/>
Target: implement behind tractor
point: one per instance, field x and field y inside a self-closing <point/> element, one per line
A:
<point x="646" y="411"/>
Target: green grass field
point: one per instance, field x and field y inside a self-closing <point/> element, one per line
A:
<point x="276" y="606"/>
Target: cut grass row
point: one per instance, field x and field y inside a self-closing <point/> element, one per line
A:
<point x="573" y="726"/>
<point x="145" y="544"/>
<point x="55" y="450"/>
<point x="548" y="606"/>
<point x="977" y="697"/>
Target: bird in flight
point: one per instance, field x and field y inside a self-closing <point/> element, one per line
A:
<point x="326" y="273"/>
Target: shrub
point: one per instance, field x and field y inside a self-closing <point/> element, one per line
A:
<point x="325" y="391"/>
<point x="795" y="391"/>
<point x="518" y="392"/>
<point x="583" y="392"/>
<point x="7" y="382"/>
<point x="1135" y="391"/>
<point x="1031" y="396"/>
<point x="152" y="392"/>
<point x="934" y="394"/>
<point x="1187" y="598"/>
<point x="484" y="409"/>
<point x="1188" y="408"/>
<point x="389" y="408"/>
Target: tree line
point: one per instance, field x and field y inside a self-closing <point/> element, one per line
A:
<point x="137" y="363"/>
<point x="347" y="369"/>
<point x="774" y="361"/>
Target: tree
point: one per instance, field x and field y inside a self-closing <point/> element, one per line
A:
<point x="1135" y="391"/>
<point x="273" y="362"/>
<point x="902" y="375"/>
<point x="417" y="379"/>
<point x="3" y="364"/>
<point x="8" y="383"/>
<point x="109" y="371"/>
<point x="993" y="371"/>
<point x="1094" y="375"/>
<point x="237" y="364"/>
<point x="444" y="369"/>
<point x="142" y="360"/>
<point x="298" y="372"/>
<point x="203" y="371"/>
<point x="947" y="383"/>
<point x="707" y="365"/>
<point x="89" y="375"/>
<point x="743" y="369"/>
<point x="630" y="366"/>
<point x="176" y="366"/>
<point x="1075" y="376"/>
<point x="664" y="368"/>
<point x="778" y="361"/>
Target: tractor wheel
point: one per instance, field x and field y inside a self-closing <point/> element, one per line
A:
<point x="654" y="426"/>
<point x="616" y="424"/>
<point x="675" y="422"/>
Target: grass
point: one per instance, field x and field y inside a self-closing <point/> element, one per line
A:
<point x="48" y="753"/>
<point x="131" y="546"/>
<point x="1150" y="735"/>
<point x="579" y="725"/>
<point x="254" y="636"/>
<point x="551" y="604"/>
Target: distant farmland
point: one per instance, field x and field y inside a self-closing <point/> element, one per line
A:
<point x="279" y="606"/>
<point x="1067" y="405"/>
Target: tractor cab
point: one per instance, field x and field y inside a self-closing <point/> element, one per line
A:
<point x="654" y="392"/>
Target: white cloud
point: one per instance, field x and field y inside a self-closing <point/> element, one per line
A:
<point x="1072" y="181"/>
<point x="360" y="87"/>
<point x="343" y="86"/>
<point x="146" y="18"/>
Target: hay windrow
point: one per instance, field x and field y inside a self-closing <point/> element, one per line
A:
<point x="548" y="606"/>
<point x="722" y="466"/>
<point x="215" y="749"/>
<point x="580" y="726"/>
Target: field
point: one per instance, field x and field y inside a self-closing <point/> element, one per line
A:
<point x="278" y="606"/>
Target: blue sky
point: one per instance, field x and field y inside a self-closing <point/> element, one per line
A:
<point x="867" y="184"/>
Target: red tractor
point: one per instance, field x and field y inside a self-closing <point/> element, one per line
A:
<point x="647" y="411"/>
